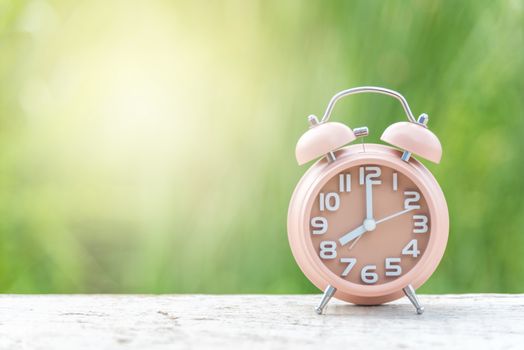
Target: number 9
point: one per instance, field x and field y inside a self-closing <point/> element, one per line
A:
<point x="321" y="225"/>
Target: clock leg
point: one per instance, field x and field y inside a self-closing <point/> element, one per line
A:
<point x="328" y="294"/>
<point x="412" y="296"/>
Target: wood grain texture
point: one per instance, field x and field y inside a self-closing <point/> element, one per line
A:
<point x="490" y="321"/>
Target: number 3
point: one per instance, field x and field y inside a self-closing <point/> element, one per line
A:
<point x="420" y="223"/>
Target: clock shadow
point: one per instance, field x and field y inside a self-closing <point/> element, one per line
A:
<point x="391" y="311"/>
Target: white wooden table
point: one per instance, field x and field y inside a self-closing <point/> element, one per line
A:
<point x="490" y="321"/>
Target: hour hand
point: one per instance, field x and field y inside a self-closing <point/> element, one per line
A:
<point x="348" y="237"/>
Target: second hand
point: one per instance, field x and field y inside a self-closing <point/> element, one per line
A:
<point x="354" y="242"/>
<point x="379" y="221"/>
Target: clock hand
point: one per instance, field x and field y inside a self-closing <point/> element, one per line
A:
<point x="394" y="215"/>
<point x="348" y="237"/>
<point x="355" y="241"/>
<point x="369" y="199"/>
<point x="369" y="225"/>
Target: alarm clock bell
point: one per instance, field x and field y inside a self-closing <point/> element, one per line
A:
<point x="414" y="138"/>
<point x="324" y="138"/>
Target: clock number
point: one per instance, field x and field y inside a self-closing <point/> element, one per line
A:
<point x="391" y="268"/>
<point x="411" y="249"/>
<point x="320" y="224"/>
<point x="344" y="182"/>
<point x="351" y="263"/>
<point x="328" y="249"/>
<point x="367" y="274"/>
<point x="329" y="201"/>
<point x="411" y="202"/>
<point x="395" y="182"/>
<point x="372" y="172"/>
<point x="420" y="223"/>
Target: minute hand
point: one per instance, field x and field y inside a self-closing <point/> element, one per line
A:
<point x="359" y="231"/>
<point x="369" y="199"/>
<point x="394" y="215"/>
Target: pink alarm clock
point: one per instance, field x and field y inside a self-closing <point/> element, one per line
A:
<point x="368" y="223"/>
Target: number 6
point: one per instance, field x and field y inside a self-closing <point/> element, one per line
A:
<point x="367" y="274"/>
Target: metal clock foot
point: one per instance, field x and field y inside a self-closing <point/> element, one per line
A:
<point x="412" y="296"/>
<point x="328" y="294"/>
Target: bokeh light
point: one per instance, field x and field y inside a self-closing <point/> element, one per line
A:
<point x="148" y="146"/>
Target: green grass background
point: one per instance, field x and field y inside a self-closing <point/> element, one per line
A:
<point x="148" y="146"/>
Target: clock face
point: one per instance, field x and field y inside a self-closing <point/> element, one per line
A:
<point x="370" y="224"/>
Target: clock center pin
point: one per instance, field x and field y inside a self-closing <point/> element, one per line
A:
<point x="370" y="224"/>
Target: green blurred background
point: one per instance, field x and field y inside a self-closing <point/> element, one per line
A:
<point x="148" y="146"/>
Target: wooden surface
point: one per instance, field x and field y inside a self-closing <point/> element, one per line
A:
<point x="490" y="321"/>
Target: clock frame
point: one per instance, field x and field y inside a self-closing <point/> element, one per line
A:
<point x="304" y="198"/>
